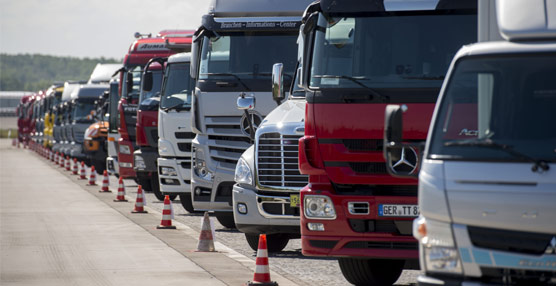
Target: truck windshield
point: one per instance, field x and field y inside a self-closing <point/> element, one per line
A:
<point x="492" y="102"/>
<point x="82" y="110"/>
<point x="155" y="91"/>
<point x="176" y="92"/>
<point x="246" y="58"/>
<point x="390" y="50"/>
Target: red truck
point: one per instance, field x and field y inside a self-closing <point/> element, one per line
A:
<point x="359" y="57"/>
<point x="24" y="113"/>
<point x="140" y="52"/>
<point x="146" y="155"/>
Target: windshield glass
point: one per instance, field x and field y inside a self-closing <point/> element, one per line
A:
<point x="508" y="100"/>
<point x="155" y="91"/>
<point x="248" y="57"/>
<point x="82" y="110"/>
<point x="136" y="74"/>
<point x="402" y="50"/>
<point x="177" y="86"/>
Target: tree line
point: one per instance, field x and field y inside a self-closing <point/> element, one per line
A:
<point x="33" y="72"/>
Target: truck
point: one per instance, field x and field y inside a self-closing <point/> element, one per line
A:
<point x="53" y="97"/>
<point x="487" y="177"/>
<point x="96" y="135"/>
<point x="112" y="136"/>
<point x="232" y="57"/>
<point x="359" y="57"/>
<point x="23" y="120"/>
<point x="58" y="129"/>
<point x="140" y="52"/>
<point x="82" y="103"/>
<point x="174" y="130"/>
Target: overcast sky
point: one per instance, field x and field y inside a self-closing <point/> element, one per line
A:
<point x="90" y="28"/>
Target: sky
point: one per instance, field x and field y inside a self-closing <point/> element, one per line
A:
<point x="90" y="28"/>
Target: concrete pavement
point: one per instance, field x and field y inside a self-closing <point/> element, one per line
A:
<point x="55" y="231"/>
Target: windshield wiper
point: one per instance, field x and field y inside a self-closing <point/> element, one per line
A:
<point x="228" y="74"/>
<point x="177" y="107"/>
<point x="356" y="80"/>
<point x="489" y="143"/>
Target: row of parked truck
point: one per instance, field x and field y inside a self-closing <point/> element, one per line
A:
<point x="362" y="127"/>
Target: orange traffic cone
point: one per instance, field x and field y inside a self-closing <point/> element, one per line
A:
<point x="120" y="197"/>
<point x="139" y="202"/>
<point x="68" y="163"/>
<point x="105" y="183"/>
<point x="206" y="241"/>
<point x="93" y="177"/>
<point x="61" y="163"/>
<point x="167" y="215"/>
<point x="82" y="172"/>
<point x="262" y="271"/>
<point x="74" y="168"/>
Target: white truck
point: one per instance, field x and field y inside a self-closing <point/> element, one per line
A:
<point x="487" y="181"/>
<point x="232" y="56"/>
<point x="174" y="130"/>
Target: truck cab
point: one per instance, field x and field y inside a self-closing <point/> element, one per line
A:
<point x="359" y="57"/>
<point x="487" y="181"/>
<point x="83" y="102"/>
<point x="139" y="53"/>
<point x="174" y="130"/>
<point x="232" y="57"/>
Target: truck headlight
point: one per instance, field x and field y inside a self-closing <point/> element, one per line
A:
<point x="243" y="173"/>
<point x="200" y="167"/>
<point x="318" y="207"/>
<point x="439" y="250"/>
<point x="124" y="149"/>
<point x="168" y="171"/>
<point x="139" y="162"/>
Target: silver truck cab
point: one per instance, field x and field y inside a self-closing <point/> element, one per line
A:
<point x="232" y="56"/>
<point x="83" y="102"/>
<point x="487" y="182"/>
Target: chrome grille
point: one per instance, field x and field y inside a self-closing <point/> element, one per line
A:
<point x="226" y="141"/>
<point x="277" y="161"/>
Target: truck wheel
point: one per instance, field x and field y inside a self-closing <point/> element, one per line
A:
<point x="155" y="187"/>
<point x="274" y="242"/>
<point x="226" y="219"/>
<point x="371" y="271"/>
<point x="185" y="200"/>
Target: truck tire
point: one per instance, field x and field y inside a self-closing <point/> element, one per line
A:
<point x="274" y="242"/>
<point x="145" y="184"/>
<point x="226" y="219"/>
<point x="378" y="272"/>
<point x="185" y="200"/>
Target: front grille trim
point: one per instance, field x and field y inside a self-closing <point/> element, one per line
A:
<point x="277" y="162"/>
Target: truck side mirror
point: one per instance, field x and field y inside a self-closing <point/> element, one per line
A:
<point x="195" y="49"/>
<point x="147" y="81"/>
<point x="402" y="159"/>
<point x="278" y="83"/>
<point x="129" y="82"/>
<point x="245" y="102"/>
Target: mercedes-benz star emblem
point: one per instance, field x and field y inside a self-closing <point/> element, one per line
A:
<point x="551" y="249"/>
<point x="256" y="119"/>
<point x="406" y="161"/>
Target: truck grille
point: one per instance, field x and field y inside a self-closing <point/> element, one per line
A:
<point x="277" y="161"/>
<point x="226" y="141"/>
<point x="79" y="136"/>
<point x="510" y="241"/>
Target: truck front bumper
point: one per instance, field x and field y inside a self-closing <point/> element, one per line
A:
<point x="181" y="182"/>
<point x="255" y="219"/>
<point x="376" y="237"/>
<point x="214" y="194"/>
<point x="144" y="160"/>
<point x="125" y="161"/>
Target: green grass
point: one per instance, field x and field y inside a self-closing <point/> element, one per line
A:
<point x="4" y="133"/>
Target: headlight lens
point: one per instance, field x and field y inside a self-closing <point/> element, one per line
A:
<point x="243" y="173"/>
<point x="124" y="149"/>
<point x="139" y="162"/>
<point x="200" y="168"/>
<point x="439" y="250"/>
<point x="168" y="171"/>
<point x="318" y="207"/>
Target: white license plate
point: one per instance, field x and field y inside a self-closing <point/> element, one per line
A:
<point x="398" y="210"/>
